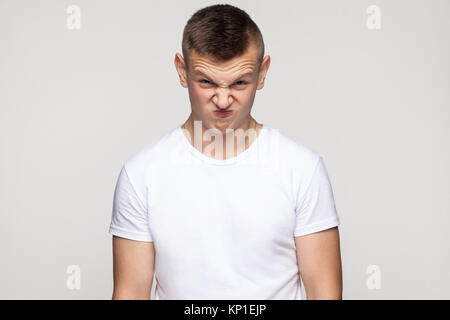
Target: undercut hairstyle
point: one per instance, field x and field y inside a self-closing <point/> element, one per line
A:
<point x="221" y="32"/>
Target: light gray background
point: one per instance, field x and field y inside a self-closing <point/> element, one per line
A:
<point x="75" y="104"/>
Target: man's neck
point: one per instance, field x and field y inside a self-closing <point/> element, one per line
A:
<point x="251" y="130"/>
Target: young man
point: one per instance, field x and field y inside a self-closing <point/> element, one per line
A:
<point x="230" y="217"/>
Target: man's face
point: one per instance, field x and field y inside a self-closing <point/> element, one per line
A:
<point x="227" y="86"/>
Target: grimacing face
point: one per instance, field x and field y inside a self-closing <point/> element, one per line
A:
<point x="230" y="85"/>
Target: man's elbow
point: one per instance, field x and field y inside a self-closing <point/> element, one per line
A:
<point x="324" y="292"/>
<point x="324" y="296"/>
<point x="124" y="294"/>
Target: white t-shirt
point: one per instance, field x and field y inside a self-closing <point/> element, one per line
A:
<point x="224" y="229"/>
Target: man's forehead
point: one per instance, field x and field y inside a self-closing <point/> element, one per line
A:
<point x="243" y="60"/>
<point x="241" y="73"/>
<point x="236" y="68"/>
<point x="247" y="61"/>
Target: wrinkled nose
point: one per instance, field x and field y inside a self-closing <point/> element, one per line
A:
<point x="223" y="99"/>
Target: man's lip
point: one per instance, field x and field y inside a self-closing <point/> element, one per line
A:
<point x="223" y="113"/>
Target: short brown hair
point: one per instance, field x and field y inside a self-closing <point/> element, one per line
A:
<point x="221" y="31"/>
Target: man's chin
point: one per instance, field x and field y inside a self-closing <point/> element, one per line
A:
<point x="223" y="126"/>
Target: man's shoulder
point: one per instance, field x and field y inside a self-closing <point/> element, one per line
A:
<point x="293" y="152"/>
<point x="153" y="152"/>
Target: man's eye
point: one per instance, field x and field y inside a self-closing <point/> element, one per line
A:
<point x="239" y="83"/>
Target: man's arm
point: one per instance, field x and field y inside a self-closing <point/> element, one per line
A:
<point x="319" y="264"/>
<point x="133" y="265"/>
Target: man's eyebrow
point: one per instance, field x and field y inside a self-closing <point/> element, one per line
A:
<point x="248" y="73"/>
<point x="198" y="72"/>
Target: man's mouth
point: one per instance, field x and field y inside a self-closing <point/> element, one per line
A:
<point x="223" y="113"/>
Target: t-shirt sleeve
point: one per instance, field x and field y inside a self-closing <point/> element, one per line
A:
<point x="316" y="210"/>
<point x="129" y="214"/>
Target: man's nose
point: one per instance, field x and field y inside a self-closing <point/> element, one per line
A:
<point x="223" y="98"/>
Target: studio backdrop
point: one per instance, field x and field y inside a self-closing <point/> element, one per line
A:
<point x="86" y="84"/>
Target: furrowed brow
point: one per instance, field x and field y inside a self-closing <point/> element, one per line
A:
<point x="249" y="73"/>
<point x="199" y="73"/>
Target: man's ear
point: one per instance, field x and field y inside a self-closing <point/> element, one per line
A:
<point x="262" y="72"/>
<point x="181" y="69"/>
